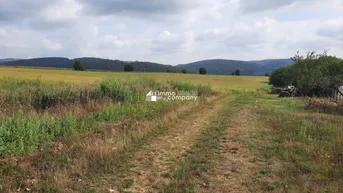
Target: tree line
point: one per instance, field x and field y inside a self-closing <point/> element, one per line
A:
<point x="78" y="66"/>
<point x="311" y="74"/>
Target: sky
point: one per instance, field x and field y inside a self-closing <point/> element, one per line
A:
<point x="170" y="31"/>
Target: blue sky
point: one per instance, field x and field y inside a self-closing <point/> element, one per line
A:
<point x="170" y="31"/>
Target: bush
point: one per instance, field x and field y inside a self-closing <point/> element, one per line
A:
<point x="184" y="71"/>
<point x="280" y="77"/>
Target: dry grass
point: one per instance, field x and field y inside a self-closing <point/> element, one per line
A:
<point x="218" y="82"/>
<point x="308" y="145"/>
<point x="324" y="106"/>
<point x="78" y="163"/>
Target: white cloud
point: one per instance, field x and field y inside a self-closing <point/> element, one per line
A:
<point x="170" y="32"/>
<point x="167" y="33"/>
<point x="94" y="29"/>
<point x="52" y="45"/>
<point x="63" y="11"/>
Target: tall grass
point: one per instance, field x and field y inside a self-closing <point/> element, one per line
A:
<point x="21" y="133"/>
<point x="42" y="95"/>
<point x="187" y="86"/>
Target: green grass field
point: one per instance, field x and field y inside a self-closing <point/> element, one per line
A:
<point x="92" y="131"/>
<point x="218" y="82"/>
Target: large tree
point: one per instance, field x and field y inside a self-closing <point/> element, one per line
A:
<point x="128" y="68"/>
<point x="202" y="70"/>
<point x="312" y="74"/>
<point x="237" y="72"/>
<point x="78" y="65"/>
<point x="280" y="77"/>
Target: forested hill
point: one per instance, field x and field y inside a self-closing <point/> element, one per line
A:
<point x="91" y="64"/>
<point x="7" y="60"/>
<point x="216" y="66"/>
<point x="219" y="66"/>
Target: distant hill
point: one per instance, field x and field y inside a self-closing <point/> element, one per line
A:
<point x="7" y="60"/>
<point x="220" y="66"/>
<point x="55" y="62"/>
<point x="216" y="66"/>
<point x="91" y="64"/>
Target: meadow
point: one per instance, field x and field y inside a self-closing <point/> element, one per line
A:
<point x="218" y="82"/>
<point x="68" y="131"/>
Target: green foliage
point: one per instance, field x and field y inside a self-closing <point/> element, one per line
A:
<point x="233" y="73"/>
<point x="237" y="72"/>
<point x="280" y="77"/>
<point x="184" y="71"/>
<point x="264" y="171"/>
<point x="78" y="66"/>
<point x="202" y="70"/>
<point x="310" y="74"/>
<point x="128" y="68"/>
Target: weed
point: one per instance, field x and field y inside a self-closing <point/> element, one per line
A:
<point x="264" y="171"/>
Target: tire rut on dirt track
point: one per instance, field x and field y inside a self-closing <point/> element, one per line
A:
<point x="233" y="172"/>
<point x="159" y="156"/>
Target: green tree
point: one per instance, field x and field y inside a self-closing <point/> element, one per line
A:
<point x="280" y="77"/>
<point x="266" y="74"/>
<point x="202" y="70"/>
<point x="237" y="72"/>
<point x="233" y="73"/>
<point x="312" y="74"/>
<point x="128" y="68"/>
<point x="184" y="71"/>
<point x="78" y="65"/>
